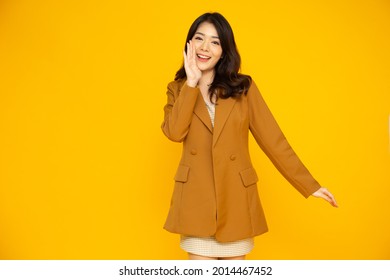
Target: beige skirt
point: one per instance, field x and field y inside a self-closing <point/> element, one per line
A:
<point x="210" y="247"/>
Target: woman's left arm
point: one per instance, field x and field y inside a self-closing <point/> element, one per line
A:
<point x="271" y="139"/>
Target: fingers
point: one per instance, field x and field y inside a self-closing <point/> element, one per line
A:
<point x="328" y="196"/>
<point x="193" y="73"/>
<point x="185" y="59"/>
<point x="187" y="56"/>
<point x="193" y="52"/>
<point x="190" y="53"/>
<point x="332" y="200"/>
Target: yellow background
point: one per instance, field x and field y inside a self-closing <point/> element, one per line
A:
<point x="86" y="173"/>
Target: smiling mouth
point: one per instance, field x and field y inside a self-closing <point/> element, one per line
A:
<point x="203" y="57"/>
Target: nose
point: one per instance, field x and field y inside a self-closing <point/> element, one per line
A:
<point x="205" y="46"/>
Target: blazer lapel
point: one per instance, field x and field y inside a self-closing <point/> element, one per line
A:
<point x="222" y="112"/>
<point x="202" y="113"/>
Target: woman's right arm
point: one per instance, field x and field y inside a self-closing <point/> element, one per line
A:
<point x="179" y="110"/>
<point x="181" y="102"/>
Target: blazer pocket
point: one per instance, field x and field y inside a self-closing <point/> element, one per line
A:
<point x="249" y="177"/>
<point x="182" y="173"/>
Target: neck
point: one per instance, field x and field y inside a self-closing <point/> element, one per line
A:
<point x="207" y="78"/>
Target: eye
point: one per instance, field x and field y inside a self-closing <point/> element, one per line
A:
<point x="198" y="38"/>
<point x="216" y="43"/>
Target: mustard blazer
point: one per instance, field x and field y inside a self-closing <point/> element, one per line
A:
<point x="215" y="191"/>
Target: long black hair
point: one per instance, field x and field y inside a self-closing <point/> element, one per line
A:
<point x="227" y="81"/>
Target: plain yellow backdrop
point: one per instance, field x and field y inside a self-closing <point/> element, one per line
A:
<point x="86" y="173"/>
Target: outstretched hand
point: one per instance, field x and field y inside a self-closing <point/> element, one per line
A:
<point x="327" y="195"/>
<point x="193" y="72"/>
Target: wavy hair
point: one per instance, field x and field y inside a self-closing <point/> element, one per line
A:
<point x="227" y="81"/>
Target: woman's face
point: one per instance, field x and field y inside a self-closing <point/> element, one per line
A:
<point x="207" y="46"/>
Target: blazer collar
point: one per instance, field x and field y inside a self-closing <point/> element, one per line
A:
<point x="201" y="111"/>
<point x="222" y="112"/>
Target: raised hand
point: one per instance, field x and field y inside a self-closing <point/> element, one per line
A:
<point x="192" y="71"/>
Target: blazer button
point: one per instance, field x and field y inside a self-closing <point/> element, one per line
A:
<point x="193" y="152"/>
<point x="232" y="157"/>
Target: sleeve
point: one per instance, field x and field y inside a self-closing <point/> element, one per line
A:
<point x="178" y="111"/>
<point x="272" y="141"/>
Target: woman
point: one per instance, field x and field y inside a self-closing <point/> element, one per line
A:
<point x="211" y="108"/>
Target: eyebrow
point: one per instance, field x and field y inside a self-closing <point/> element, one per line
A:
<point x="205" y="35"/>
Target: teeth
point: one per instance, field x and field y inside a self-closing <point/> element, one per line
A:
<point x="202" y="56"/>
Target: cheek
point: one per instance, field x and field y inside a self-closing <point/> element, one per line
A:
<point x="218" y="52"/>
<point x="196" y="44"/>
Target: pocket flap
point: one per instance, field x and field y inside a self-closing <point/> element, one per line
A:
<point x="249" y="177"/>
<point x="182" y="173"/>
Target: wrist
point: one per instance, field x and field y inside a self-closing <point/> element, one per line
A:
<point x="192" y="83"/>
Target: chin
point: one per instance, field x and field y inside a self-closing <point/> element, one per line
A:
<point x="205" y="68"/>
